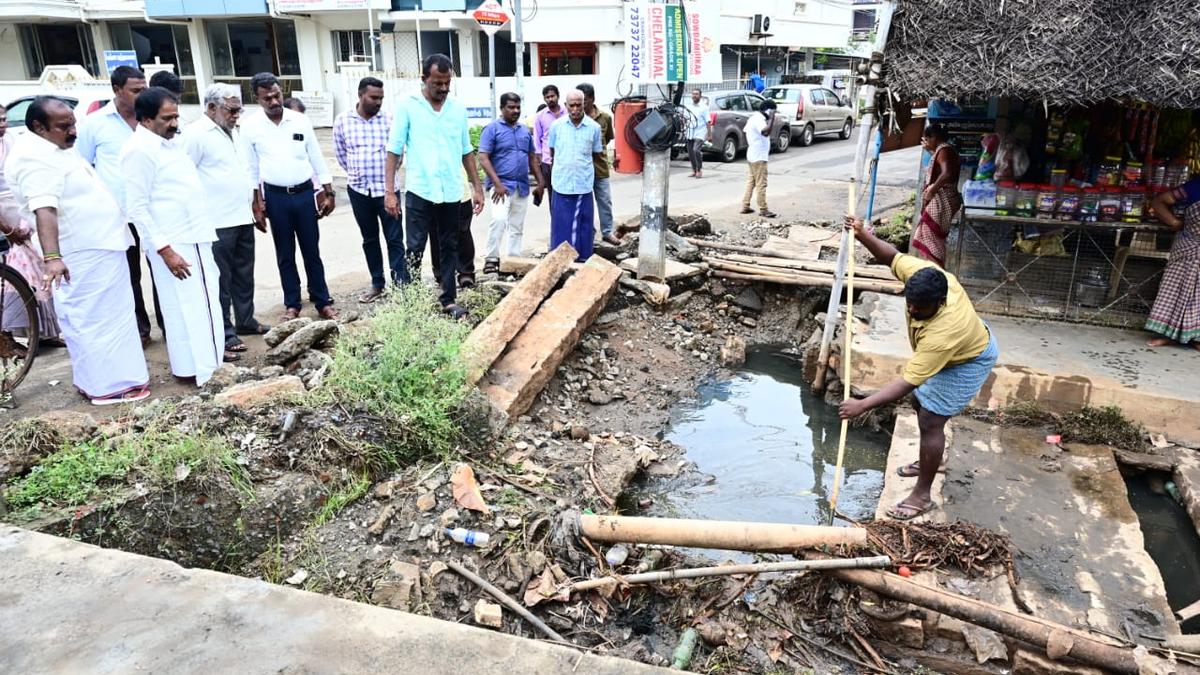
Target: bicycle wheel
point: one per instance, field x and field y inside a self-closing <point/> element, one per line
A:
<point x="19" y="330"/>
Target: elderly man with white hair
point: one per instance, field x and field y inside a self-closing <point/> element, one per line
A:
<point x="212" y="143"/>
<point x="574" y="147"/>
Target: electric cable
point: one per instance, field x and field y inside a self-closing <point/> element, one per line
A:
<point x="679" y="122"/>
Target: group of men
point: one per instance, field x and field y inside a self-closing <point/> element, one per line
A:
<point x="129" y="183"/>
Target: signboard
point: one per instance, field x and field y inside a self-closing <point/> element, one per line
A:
<point x="674" y="42"/>
<point x="319" y="5"/>
<point x="480" y="112"/>
<point x="116" y="58"/>
<point x="318" y="107"/>
<point x="491" y="17"/>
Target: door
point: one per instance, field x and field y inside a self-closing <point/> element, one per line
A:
<point x="836" y="112"/>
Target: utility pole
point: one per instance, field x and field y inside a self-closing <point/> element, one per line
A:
<point x="656" y="181"/>
<point x="519" y="41"/>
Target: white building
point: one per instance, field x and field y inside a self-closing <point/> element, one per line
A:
<point x="311" y="44"/>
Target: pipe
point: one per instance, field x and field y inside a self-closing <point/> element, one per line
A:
<point x="727" y="570"/>
<point x="1056" y="639"/>
<point x="728" y="535"/>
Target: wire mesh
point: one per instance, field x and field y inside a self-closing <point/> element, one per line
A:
<point x="1096" y="273"/>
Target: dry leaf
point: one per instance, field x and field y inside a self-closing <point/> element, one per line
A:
<point x="544" y="587"/>
<point x="466" y="490"/>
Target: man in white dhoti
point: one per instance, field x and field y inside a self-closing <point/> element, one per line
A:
<point x="164" y="199"/>
<point x="84" y="238"/>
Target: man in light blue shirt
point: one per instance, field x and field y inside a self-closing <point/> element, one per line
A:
<point x="574" y="147"/>
<point x="101" y="137"/>
<point x="430" y="131"/>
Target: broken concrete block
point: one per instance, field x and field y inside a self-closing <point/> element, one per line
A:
<point x="283" y="331"/>
<point x="250" y="394"/>
<point x="301" y="341"/>
<point x="675" y="270"/>
<point x="749" y="299"/>
<point x="489" y="614"/>
<point x="493" y="334"/>
<point x="653" y="293"/>
<point x="70" y="425"/>
<point x="907" y="632"/>
<point x="394" y="594"/>
<point x="522" y="266"/>
<point x="534" y="355"/>
<point x="426" y="501"/>
<point x="733" y="354"/>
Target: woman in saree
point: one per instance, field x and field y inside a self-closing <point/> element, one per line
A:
<point x="1176" y="312"/>
<point x="941" y="200"/>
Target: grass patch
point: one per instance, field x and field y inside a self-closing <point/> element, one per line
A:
<point x="1019" y="414"/>
<point x="479" y="301"/>
<point x="24" y="442"/>
<point x="404" y="368"/>
<point x="1104" y="426"/>
<point x="898" y="229"/>
<point x="346" y="493"/>
<point x="85" y="472"/>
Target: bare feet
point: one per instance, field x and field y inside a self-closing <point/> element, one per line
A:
<point x="1159" y="342"/>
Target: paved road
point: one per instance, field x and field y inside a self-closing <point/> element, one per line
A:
<point x="805" y="183"/>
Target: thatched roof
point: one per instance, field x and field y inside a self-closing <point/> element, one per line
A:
<point x="1059" y="51"/>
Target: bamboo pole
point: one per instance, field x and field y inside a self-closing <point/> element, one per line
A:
<point x="809" y="281"/>
<point x="727" y="570"/>
<point x="849" y="331"/>
<point x="727" y="535"/>
<point x="1056" y="639"/>
<point x="880" y="272"/>
<point x="720" y="246"/>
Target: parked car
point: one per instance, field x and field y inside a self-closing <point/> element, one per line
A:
<point x="728" y="111"/>
<point x="812" y="110"/>
<point x="18" y="107"/>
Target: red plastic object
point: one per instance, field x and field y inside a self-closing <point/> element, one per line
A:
<point x="1054" y="439"/>
<point x="904" y="571"/>
<point x="628" y="160"/>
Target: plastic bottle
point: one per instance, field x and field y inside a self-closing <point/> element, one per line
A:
<point x="616" y="555"/>
<point x="469" y="537"/>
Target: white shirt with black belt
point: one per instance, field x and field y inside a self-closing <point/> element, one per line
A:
<point x="284" y="154"/>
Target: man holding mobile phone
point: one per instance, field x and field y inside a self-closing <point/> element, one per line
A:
<point x="758" y="140"/>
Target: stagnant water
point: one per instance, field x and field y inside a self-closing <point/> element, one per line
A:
<point x="1170" y="540"/>
<point x="766" y="448"/>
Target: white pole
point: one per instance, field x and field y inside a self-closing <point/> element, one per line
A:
<point x="371" y="37"/>
<point x="519" y="39"/>
<point x="492" y="69"/>
<point x="417" y="21"/>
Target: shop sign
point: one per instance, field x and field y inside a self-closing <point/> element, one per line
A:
<point x="320" y="5"/>
<point x="114" y="59"/>
<point x="491" y="17"/>
<point x="672" y="42"/>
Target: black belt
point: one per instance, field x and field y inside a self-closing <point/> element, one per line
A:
<point x="306" y="186"/>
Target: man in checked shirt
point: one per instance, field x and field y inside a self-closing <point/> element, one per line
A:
<point x="360" y="138"/>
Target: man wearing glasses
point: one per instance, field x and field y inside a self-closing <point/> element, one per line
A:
<point x="212" y="143"/>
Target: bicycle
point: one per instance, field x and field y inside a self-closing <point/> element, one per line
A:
<point x="19" y="344"/>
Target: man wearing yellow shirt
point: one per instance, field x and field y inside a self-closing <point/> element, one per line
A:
<point x="953" y="354"/>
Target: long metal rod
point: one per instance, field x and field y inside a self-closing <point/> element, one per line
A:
<point x="878" y="561"/>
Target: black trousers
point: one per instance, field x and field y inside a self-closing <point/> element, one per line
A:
<point x="234" y="253"/>
<point x="436" y="223"/>
<point x="694" y="147"/>
<point x="466" y="243"/>
<point x="294" y="220"/>
<point x="133" y="256"/>
<point x="548" y="169"/>
<point x="371" y="216"/>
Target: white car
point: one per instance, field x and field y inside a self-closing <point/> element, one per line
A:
<point x="812" y="110"/>
<point x="83" y="104"/>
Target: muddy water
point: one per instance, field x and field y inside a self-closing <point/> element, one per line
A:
<point x="765" y="449"/>
<point x="1171" y="541"/>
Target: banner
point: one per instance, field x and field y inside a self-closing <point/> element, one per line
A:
<point x="667" y="43"/>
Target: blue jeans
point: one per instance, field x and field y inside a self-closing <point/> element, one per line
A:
<point x="370" y="214"/>
<point x="294" y="219"/>
<point x="603" y="193"/>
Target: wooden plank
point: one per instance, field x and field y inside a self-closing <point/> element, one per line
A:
<point x="493" y="334"/>
<point x="534" y="355"/>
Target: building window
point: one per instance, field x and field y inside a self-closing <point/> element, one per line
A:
<point x="440" y="42"/>
<point x="167" y="44"/>
<point x="356" y="45"/>
<point x="864" y="24"/>
<point x="58" y="44"/>
<point x="506" y="56"/>
<point x="242" y="49"/>
<point x="566" y="58"/>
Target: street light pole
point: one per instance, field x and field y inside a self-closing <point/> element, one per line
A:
<point x="519" y="40"/>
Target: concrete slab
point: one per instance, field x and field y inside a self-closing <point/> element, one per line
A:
<point x="1081" y="556"/>
<point x="676" y="270"/>
<point x="76" y="608"/>
<point x="1061" y="366"/>
<point x="906" y="450"/>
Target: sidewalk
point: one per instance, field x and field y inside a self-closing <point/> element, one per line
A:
<point x="76" y="608"/>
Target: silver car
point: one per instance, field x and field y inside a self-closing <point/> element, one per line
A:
<point x="812" y="110"/>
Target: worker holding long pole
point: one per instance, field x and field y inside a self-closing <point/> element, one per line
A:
<point x="953" y="355"/>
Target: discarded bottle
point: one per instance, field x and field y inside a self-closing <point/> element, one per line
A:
<point x="682" y="656"/>
<point x="1173" y="490"/>
<point x="617" y="555"/>
<point x="469" y="537"/>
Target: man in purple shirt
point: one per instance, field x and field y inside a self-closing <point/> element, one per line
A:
<point x="360" y="139"/>
<point x="506" y="153"/>
<point x="541" y="129"/>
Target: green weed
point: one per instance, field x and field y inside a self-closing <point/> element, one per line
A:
<point x="404" y="367"/>
<point x="341" y="496"/>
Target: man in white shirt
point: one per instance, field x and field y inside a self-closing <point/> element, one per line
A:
<point x="282" y="150"/>
<point x="698" y="133"/>
<point x="164" y="197"/>
<point x="84" y="237"/>
<point x="758" y="141"/>
<point x="101" y="137"/>
<point x="212" y="144"/>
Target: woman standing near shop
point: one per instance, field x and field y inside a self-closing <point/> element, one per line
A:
<point x="1176" y="312"/>
<point x="940" y="200"/>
